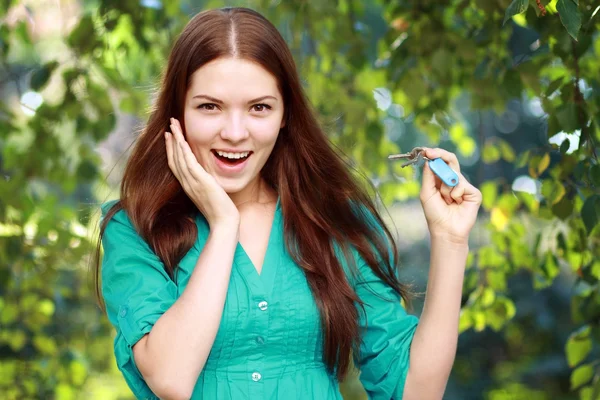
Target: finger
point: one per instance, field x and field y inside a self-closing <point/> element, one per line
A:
<point x="445" y="192"/>
<point x="457" y="192"/>
<point x="472" y="194"/>
<point x="190" y="163"/>
<point x="180" y="157"/>
<point x="430" y="180"/>
<point x="193" y="166"/>
<point x="448" y="157"/>
<point x="169" y="140"/>
<point x="430" y="183"/>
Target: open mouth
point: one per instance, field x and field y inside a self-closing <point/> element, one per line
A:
<point x="231" y="161"/>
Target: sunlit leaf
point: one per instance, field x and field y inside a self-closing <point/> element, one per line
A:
<point x="499" y="218"/>
<point x="581" y="375"/>
<point x="491" y="153"/>
<point x="578" y="346"/>
<point x="508" y="154"/>
<point x="489" y="193"/>
<point x="538" y="164"/>
<point x="553" y="190"/>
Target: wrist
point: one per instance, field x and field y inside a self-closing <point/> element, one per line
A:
<point x="226" y="228"/>
<point x="448" y="240"/>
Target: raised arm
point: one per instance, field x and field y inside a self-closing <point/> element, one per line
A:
<point x="169" y="334"/>
<point x="451" y="213"/>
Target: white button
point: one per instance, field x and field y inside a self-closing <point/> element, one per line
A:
<point x="256" y="376"/>
<point x="263" y="305"/>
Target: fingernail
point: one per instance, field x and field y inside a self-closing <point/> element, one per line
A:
<point x="167" y="135"/>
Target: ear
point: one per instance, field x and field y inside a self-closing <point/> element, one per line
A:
<point x="282" y="122"/>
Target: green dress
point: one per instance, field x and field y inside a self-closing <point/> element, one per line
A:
<point x="269" y="344"/>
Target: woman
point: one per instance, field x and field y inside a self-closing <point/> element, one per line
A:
<point x="243" y="261"/>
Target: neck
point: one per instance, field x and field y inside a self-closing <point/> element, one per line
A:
<point x="256" y="192"/>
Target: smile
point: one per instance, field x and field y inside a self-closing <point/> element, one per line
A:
<point x="228" y="162"/>
<point x="231" y="155"/>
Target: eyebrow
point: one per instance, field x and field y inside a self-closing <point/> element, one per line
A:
<point x="217" y="101"/>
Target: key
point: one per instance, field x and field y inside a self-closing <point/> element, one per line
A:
<point x="412" y="157"/>
<point x="437" y="165"/>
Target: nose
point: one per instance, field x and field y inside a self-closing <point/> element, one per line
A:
<point x="235" y="128"/>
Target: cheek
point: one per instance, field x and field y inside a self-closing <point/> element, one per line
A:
<point x="266" y="131"/>
<point x="199" y="135"/>
<point x="200" y="131"/>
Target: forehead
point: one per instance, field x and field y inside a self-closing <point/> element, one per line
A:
<point x="233" y="78"/>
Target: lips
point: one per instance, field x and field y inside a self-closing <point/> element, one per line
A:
<point x="227" y="167"/>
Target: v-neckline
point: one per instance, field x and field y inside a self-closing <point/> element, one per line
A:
<point x="262" y="282"/>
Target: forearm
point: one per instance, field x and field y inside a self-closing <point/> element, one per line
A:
<point x="433" y="347"/>
<point x="175" y="351"/>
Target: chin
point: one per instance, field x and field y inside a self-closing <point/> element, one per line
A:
<point x="232" y="187"/>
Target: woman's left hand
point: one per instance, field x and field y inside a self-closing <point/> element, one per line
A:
<point x="450" y="211"/>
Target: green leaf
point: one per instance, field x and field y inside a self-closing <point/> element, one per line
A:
<point x="489" y="192"/>
<point x="554" y="85"/>
<point x="570" y="16"/>
<point x="63" y="391"/>
<point x="83" y="38"/>
<point x="567" y="117"/>
<point x="578" y="346"/>
<point x="581" y="375"/>
<point x="522" y="159"/>
<point x="512" y="83"/>
<point x="516" y="7"/>
<point x="87" y="170"/>
<point x="563" y="209"/>
<point x="595" y="175"/>
<point x="565" y="145"/>
<point x="41" y="76"/>
<point x="16" y="340"/>
<point x="45" y="344"/>
<point x="465" y="321"/>
<point x="508" y="154"/>
<point x="589" y="212"/>
<point x="550" y="266"/>
<point x="491" y="153"/>
<point x="553" y="190"/>
<point x="538" y="164"/>
<point x="488" y="296"/>
<point x="589" y="393"/>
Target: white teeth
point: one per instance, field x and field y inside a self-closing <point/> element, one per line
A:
<point x="233" y="155"/>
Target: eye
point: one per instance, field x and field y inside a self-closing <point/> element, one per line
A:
<point x="208" y="106"/>
<point x="261" y="107"/>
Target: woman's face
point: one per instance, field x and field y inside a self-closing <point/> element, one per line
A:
<point x="232" y="116"/>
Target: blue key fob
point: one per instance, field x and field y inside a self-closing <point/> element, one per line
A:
<point x="443" y="171"/>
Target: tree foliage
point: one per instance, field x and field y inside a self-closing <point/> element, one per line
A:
<point x="511" y="86"/>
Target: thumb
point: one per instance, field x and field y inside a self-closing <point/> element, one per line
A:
<point x="429" y="181"/>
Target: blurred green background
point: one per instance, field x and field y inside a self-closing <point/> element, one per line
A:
<point x="513" y="87"/>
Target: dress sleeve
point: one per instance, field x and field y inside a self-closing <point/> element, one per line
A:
<point x="136" y="290"/>
<point x="387" y="331"/>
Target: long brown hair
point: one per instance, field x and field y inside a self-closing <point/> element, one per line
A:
<point x="323" y="204"/>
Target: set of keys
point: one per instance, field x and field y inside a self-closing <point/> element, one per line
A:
<point x="437" y="165"/>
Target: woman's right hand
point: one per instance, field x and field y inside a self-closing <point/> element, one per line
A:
<point x="202" y="188"/>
